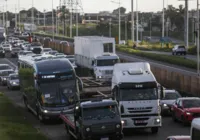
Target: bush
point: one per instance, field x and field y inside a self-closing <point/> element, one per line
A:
<point x="160" y="57"/>
<point x="26" y="78"/>
<point x="192" y="50"/>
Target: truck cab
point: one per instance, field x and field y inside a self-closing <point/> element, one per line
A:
<point x="136" y="90"/>
<point x="103" y="66"/>
<point x="95" y="119"/>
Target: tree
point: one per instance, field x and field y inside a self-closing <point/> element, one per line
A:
<point x="122" y="10"/>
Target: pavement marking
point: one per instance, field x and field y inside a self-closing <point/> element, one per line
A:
<point x="14" y="65"/>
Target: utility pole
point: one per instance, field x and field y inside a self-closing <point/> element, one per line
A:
<point x="163" y="22"/>
<point x="110" y="30"/>
<point x="76" y="17"/>
<point x="198" y="38"/>
<point x="52" y="21"/>
<point x="119" y="22"/>
<point x="126" y="29"/>
<point x="71" y="18"/>
<point x="38" y="18"/>
<point x="15" y="16"/>
<point x="3" y="17"/>
<point x="150" y="28"/>
<point x="6" y="19"/>
<point x="19" y="14"/>
<point x="132" y="21"/>
<point x="44" y="18"/>
<point x="137" y="22"/>
<point x="186" y="23"/>
<point x="32" y="16"/>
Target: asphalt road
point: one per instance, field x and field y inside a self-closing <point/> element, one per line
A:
<point x="191" y="57"/>
<point x="56" y="131"/>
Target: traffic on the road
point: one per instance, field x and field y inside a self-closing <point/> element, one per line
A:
<point x="115" y="99"/>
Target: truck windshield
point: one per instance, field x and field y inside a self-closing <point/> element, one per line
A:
<point x="60" y="93"/>
<point x="109" y="62"/>
<point x="98" y="113"/>
<point x="138" y="94"/>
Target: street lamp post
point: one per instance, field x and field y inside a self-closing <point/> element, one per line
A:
<point x="119" y="38"/>
<point x="52" y="21"/>
<point x="6" y="19"/>
<point x="198" y="37"/>
<point x="110" y="27"/>
<point x="137" y="22"/>
<point x="163" y="21"/>
<point x="32" y="16"/>
<point x="44" y="18"/>
<point x="19" y="14"/>
<point x="132" y="21"/>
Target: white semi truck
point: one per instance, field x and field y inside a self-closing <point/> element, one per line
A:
<point x="97" y="54"/>
<point x="136" y="90"/>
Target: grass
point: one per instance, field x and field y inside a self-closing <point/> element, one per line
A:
<point x="13" y="126"/>
<point x="160" y="57"/>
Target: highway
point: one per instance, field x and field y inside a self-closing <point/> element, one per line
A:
<point x="56" y="131"/>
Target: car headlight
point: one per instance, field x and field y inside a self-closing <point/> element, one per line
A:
<point x="87" y="129"/>
<point x="118" y="126"/>
<point x="188" y="113"/>
<point x="4" y="78"/>
<point x="165" y="105"/>
<point x="14" y="83"/>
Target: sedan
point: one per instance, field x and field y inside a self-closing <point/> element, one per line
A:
<point x="4" y="76"/>
<point x="46" y="50"/>
<point x="178" y="138"/>
<point x="169" y="97"/>
<point x="13" y="81"/>
<point x="7" y="47"/>
<point x="186" y="109"/>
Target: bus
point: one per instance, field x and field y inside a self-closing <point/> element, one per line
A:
<point x="195" y="129"/>
<point x="54" y="83"/>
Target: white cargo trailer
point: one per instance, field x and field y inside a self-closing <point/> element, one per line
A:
<point x="96" y="53"/>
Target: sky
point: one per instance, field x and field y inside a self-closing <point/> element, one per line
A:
<point x="94" y="6"/>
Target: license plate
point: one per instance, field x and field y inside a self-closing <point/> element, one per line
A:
<point x="104" y="139"/>
<point x="140" y="121"/>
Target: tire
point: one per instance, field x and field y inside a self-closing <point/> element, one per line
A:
<point x="174" y="117"/>
<point x="154" y="130"/>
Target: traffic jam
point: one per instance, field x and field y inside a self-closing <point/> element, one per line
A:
<point x="117" y="97"/>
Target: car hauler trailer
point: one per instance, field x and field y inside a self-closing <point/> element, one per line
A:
<point x="136" y="90"/>
<point x="97" y="54"/>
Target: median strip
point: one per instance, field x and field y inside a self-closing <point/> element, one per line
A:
<point x="160" y="57"/>
<point x="13" y="125"/>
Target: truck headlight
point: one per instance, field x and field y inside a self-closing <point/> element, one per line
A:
<point x="87" y="129"/>
<point x="14" y="83"/>
<point x="45" y="111"/>
<point x="118" y="126"/>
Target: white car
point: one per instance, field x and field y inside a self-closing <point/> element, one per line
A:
<point x="46" y="50"/>
<point x="25" y="34"/>
<point x="7" y="47"/>
<point x="179" y="50"/>
<point x="167" y="100"/>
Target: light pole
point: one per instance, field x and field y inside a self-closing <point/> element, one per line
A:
<point x="198" y="37"/>
<point x="38" y="18"/>
<point x="150" y="28"/>
<point x="119" y="20"/>
<point x="132" y="21"/>
<point x="32" y="13"/>
<point x="56" y="20"/>
<point x="126" y="29"/>
<point x="137" y="22"/>
<point x="71" y="19"/>
<point x="19" y="14"/>
<point x="3" y="17"/>
<point x="110" y="27"/>
<point x="15" y="16"/>
<point x="6" y="19"/>
<point x="52" y="21"/>
<point x="163" y="21"/>
<point x="44" y="18"/>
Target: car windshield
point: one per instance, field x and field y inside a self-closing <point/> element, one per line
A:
<point x="14" y="77"/>
<point x="6" y="45"/>
<point x="98" y="113"/>
<point x="138" y="94"/>
<point x="5" y="67"/>
<point x="171" y="96"/>
<point x="59" y="93"/>
<point x="109" y="62"/>
<point x="191" y="103"/>
<point x="6" y="73"/>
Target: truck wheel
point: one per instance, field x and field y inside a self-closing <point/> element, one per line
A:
<point x="154" y="130"/>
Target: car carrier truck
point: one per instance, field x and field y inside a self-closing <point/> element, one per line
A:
<point x="136" y="90"/>
<point x="97" y="54"/>
<point x="95" y="116"/>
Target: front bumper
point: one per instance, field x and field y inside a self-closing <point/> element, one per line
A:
<point x="109" y="136"/>
<point x="142" y="122"/>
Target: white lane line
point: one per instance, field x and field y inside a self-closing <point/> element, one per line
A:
<point x="11" y="63"/>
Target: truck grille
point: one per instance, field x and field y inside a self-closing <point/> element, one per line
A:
<point x="108" y="72"/>
<point x="103" y="128"/>
<point x="140" y="109"/>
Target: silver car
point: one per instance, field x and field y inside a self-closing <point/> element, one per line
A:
<point x="4" y="76"/>
<point x="167" y="100"/>
<point x="13" y="81"/>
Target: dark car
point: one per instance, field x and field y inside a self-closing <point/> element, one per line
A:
<point x="36" y="47"/>
<point x="2" y="52"/>
<point x="186" y="109"/>
<point x="15" y="51"/>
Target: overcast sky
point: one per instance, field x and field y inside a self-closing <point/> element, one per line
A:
<point x="94" y="6"/>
